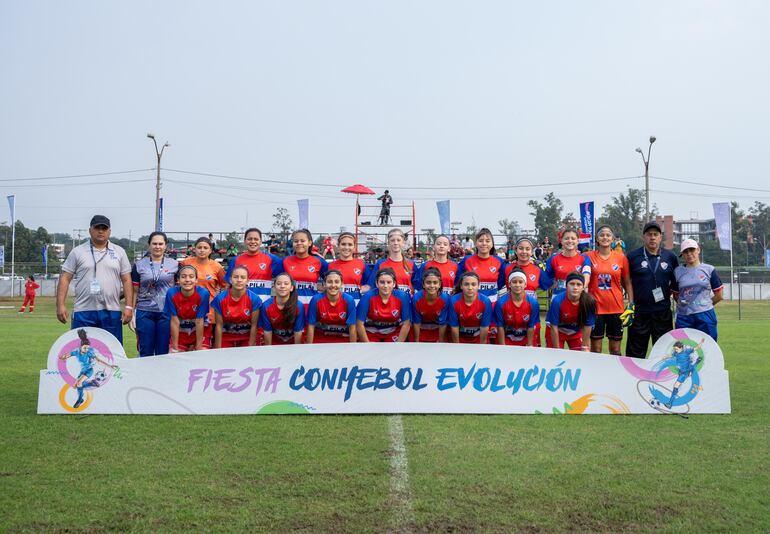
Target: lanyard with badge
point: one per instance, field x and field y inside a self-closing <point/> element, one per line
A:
<point x="657" y="293"/>
<point x="96" y="289"/>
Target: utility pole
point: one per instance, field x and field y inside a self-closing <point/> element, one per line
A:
<point x="646" y="178"/>
<point x="159" y="155"/>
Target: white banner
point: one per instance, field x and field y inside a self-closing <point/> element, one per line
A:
<point x="724" y="222"/>
<point x="383" y="378"/>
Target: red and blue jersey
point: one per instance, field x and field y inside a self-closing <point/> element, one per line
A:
<point x="564" y="314"/>
<point x="448" y="270"/>
<point x="236" y="314"/>
<point x="355" y="273"/>
<point x="271" y="320"/>
<point x="332" y="322"/>
<point x="537" y="278"/>
<point x="491" y="271"/>
<point x="405" y="277"/>
<point x="558" y="266"/>
<point x="262" y="269"/>
<point x="516" y="320"/>
<point x="384" y="317"/>
<point x="306" y="273"/>
<point x="469" y="318"/>
<point x="187" y="309"/>
<point x="429" y="316"/>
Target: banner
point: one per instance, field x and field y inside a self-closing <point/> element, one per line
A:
<point x="2" y="255"/>
<point x="160" y="215"/>
<point x="44" y="253"/>
<point x="587" y="223"/>
<point x="12" y="206"/>
<point x="767" y="259"/>
<point x="444" y="217"/>
<point x="372" y="378"/>
<point x="304" y="207"/>
<point x="723" y="220"/>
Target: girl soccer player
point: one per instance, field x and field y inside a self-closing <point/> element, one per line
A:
<point x="403" y="268"/>
<point x="470" y="311"/>
<point x="355" y="272"/>
<point x="307" y="270"/>
<point x="211" y="275"/>
<point x="331" y="316"/>
<point x="187" y="307"/>
<point x="152" y="277"/>
<point x="384" y="313"/>
<point x="29" y="294"/>
<point x="571" y="315"/>
<point x="517" y="313"/>
<point x="446" y="267"/>
<point x="430" y="306"/>
<point x="237" y="312"/>
<point x="610" y="275"/>
<point x="262" y="267"/>
<point x="282" y="320"/>
<point x="534" y="270"/>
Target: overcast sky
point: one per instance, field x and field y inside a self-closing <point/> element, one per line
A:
<point x="387" y="94"/>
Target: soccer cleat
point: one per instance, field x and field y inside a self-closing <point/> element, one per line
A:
<point x="78" y="403"/>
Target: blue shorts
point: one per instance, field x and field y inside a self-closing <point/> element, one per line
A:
<point x="104" y="319"/>
<point x="704" y="321"/>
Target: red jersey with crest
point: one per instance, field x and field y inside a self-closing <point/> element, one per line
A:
<point x="448" y="271"/>
<point x="429" y="316"/>
<point x="491" y="271"/>
<point x="306" y="273"/>
<point x="559" y="266"/>
<point x="469" y="318"/>
<point x="383" y="319"/>
<point x="331" y="322"/>
<point x="404" y="280"/>
<point x="236" y="314"/>
<point x="536" y="277"/>
<point x="355" y="272"/>
<point x="262" y="269"/>
<point x="187" y="309"/>
<point x="271" y="320"/>
<point x="516" y="320"/>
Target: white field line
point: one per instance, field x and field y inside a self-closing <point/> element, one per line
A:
<point x="400" y="493"/>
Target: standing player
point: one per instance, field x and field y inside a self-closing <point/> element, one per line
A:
<point x="211" y="275"/>
<point x="331" y="316"/>
<point x="355" y="272"/>
<point x="187" y="307"/>
<point x="470" y="311"/>
<point x="517" y="314"/>
<point x="534" y="270"/>
<point x="403" y="268"/>
<point x="282" y="320"/>
<point x="307" y="270"/>
<point x="262" y="267"/>
<point x="446" y="267"/>
<point x="384" y="314"/>
<point x="694" y="300"/>
<point x="329" y="247"/>
<point x="29" y="294"/>
<point x="571" y="315"/>
<point x="237" y="312"/>
<point x="609" y="277"/>
<point x="430" y="306"/>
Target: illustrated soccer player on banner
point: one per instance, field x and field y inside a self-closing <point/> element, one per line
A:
<point x="534" y="270"/>
<point x="355" y="272"/>
<point x="331" y="316"/>
<point x="237" y="312"/>
<point x="430" y="306"/>
<point x="517" y="313"/>
<point x="187" y="308"/>
<point x="572" y="315"/>
<point x="686" y="362"/>
<point x="86" y="355"/>
<point x="404" y="269"/>
<point x="282" y="319"/>
<point x="470" y="311"/>
<point x="446" y="267"/>
<point x="384" y="313"/>
<point x="305" y="268"/>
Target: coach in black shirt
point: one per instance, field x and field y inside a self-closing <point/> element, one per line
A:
<point x="652" y="277"/>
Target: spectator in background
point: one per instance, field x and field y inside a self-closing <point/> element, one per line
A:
<point x="29" y="294"/>
<point x="100" y="270"/>
<point x="467" y="246"/>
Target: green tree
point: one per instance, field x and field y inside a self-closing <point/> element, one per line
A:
<point x="547" y="215"/>
<point x="625" y="214"/>
<point x="760" y="230"/>
<point x="282" y="223"/>
<point x="510" y="229"/>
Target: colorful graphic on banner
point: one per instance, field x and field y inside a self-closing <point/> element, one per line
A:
<point x="303" y="205"/>
<point x="444" y="216"/>
<point x="586" y="238"/>
<point x="96" y="377"/>
<point x="723" y="220"/>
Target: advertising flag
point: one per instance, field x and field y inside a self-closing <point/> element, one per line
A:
<point x="443" y="216"/>
<point x="44" y="252"/>
<point x="12" y="206"/>
<point x="723" y="221"/>
<point x="304" y="206"/>
<point x="160" y="215"/>
<point x="587" y="223"/>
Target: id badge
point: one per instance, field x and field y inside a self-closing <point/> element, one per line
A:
<point x="96" y="289"/>
<point x="657" y="294"/>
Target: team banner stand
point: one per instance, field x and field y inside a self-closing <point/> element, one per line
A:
<point x="95" y="377"/>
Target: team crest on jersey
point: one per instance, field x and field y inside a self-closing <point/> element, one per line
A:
<point x="263" y="266"/>
<point x="532" y="277"/>
<point x="452" y="274"/>
<point x="343" y="314"/>
<point x="395" y="313"/>
<point x="509" y="317"/>
<point x="525" y="317"/>
<point x="615" y="266"/>
<point x="644" y="263"/>
<point x="493" y="269"/>
<point x="311" y="268"/>
<point x="478" y="315"/>
<point x="560" y="268"/>
<point x="664" y="265"/>
<point x="209" y="277"/>
<point x="195" y="307"/>
<point x="357" y="271"/>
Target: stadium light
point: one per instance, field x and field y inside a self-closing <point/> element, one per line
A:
<point x="646" y="162"/>
<point x="158" y="155"/>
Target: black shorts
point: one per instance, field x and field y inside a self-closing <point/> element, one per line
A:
<point x="610" y="324"/>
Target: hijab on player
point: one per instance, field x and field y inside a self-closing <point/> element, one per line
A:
<point x="286" y="297"/>
<point x="252" y="238"/>
<point x="302" y="240"/>
<point x="386" y="283"/>
<point x="396" y="240"/>
<point x="346" y="245"/>
<point x="517" y="285"/>
<point x="431" y="284"/>
<point x="333" y="285"/>
<point x="577" y="295"/>
<point x="441" y="247"/>
<point x="485" y="243"/>
<point x="468" y="284"/>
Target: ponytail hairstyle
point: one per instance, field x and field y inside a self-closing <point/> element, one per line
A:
<point x="346" y="234"/>
<point x="518" y="241"/>
<point x="31" y="277"/>
<point x="432" y="271"/>
<point x="404" y="261"/>
<point x="208" y="242"/>
<point x="586" y="306"/>
<point x="459" y="282"/>
<point x="289" y="312"/>
<point x="307" y="233"/>
<point x="83" y="337"/>
<point x="387" y="271"/>
<point x="483" y="232"/>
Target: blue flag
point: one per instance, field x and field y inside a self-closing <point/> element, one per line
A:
<point x="587" y="222"/>
<point x="44" y="252"/>
<point x="443" y="216"/>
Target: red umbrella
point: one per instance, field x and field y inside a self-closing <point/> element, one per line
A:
<point x="358" y="189"/>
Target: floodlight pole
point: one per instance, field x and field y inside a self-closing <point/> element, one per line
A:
<point x="159" y="155"/>
<point x="646" y="178"/>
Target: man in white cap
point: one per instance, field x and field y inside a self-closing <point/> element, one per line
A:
<point x="100" y="270"/>
<point x="700" y="288"/>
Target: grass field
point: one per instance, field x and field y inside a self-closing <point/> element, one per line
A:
<point x="335" y="473"/>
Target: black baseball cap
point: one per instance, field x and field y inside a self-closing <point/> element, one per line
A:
<point x="100" y="220"/>
<point x="650" y="225"/>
